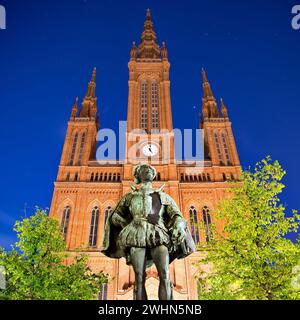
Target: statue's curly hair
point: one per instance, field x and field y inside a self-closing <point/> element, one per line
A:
<point x="137" y="169"/>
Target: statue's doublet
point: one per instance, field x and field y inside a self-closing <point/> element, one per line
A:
<point x="150" y="216"/>
<point x="147" y="228"/>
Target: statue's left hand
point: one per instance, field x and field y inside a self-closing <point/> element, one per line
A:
<point x="178" y="234"/>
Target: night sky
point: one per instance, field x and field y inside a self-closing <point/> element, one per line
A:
<point x="248" y="48"/>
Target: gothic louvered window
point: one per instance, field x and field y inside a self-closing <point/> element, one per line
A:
<point x="225" y="146"/>
<point x="154" y="104"/>
<point x="65" y="221"/>
<point x="207" y="222"/>
<point x="194" y="224"/>
<point x="81" y="148"/>
<point x="102" y="295"/>
<point x="73" y="149"/>
<point x="94" y="227"/>
<point x="218" y="147"/>
<point x="144" y="105"/>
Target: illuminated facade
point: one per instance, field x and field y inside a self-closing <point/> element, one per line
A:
<point x="86" y="190"/>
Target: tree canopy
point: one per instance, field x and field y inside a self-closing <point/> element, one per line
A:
<point x="36" y="266"/>
<point x="253" y="257"/>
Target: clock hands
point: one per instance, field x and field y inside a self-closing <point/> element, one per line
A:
<point x="149" y="150"/>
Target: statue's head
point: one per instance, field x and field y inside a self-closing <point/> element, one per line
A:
<point x="144" y="173"/>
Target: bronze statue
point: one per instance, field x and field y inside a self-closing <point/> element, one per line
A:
<point x="146" y="226"/>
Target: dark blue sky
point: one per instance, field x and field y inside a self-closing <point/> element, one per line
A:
<point x="248" y="48"/>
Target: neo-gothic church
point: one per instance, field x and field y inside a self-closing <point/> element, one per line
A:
<point x="86" y="190"/>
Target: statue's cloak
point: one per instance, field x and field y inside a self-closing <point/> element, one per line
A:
<point x="111" y="247"/>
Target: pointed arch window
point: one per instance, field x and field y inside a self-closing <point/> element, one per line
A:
<point x="94" y="227"/>
<point x="144" y="105"/>
<point x="65" y="221"/>
<point x="73" y="149"/>
<point x="218" y="147"/>
<point x="194" y="224"/>
<point x="107" y="212"/>
<point x="154" y="104"/>
<point x="207" y="222"/>
<point x="82" y="141"/>
<point x="225" y="146"/>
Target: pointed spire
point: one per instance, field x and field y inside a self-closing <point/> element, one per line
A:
<point x="148" y="47"/>
<point x="133" y="51"/>
<point x="74" y="109"/>
<point x="209" y="104"/>
<point x="92" y="86"/>
<point x="224" y="109"/>
<point x="207" y="93"/>
<point x="148" y="14"/>
<point x="89" y="103"/>
<point x="164" y="51"/>
<point x="204" y="78"/>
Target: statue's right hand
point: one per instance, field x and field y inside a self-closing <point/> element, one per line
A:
<point x="118" y="221"/>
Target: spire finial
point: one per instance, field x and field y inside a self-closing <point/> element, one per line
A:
<point x="204" y="78"/>
<point x="148" y="14"/>
<point x="94" y="75"/>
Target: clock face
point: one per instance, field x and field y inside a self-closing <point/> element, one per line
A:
<point x="150" y="150"/>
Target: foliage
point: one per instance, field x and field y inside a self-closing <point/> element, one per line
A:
<point x="252" y="257"/>
<point x="38" y="267"/>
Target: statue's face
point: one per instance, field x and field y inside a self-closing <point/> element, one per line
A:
<point x="146" y="174"/>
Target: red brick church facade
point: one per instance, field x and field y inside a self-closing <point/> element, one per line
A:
<point x="86" y="190"/>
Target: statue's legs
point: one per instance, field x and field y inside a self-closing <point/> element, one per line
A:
<point x="138" y="260"/>
<point x="160" y="256"/>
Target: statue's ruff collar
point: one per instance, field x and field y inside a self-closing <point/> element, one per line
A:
<point x="135" y="189"/>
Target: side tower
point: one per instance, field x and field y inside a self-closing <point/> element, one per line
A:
<point x="219" y="143"/>
<point x="79" y="148"/>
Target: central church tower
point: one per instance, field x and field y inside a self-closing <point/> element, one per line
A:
<point x="149" y="117"/>
<point x="86" y="190"/>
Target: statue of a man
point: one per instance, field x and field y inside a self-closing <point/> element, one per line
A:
<point x="146" y="226"/>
